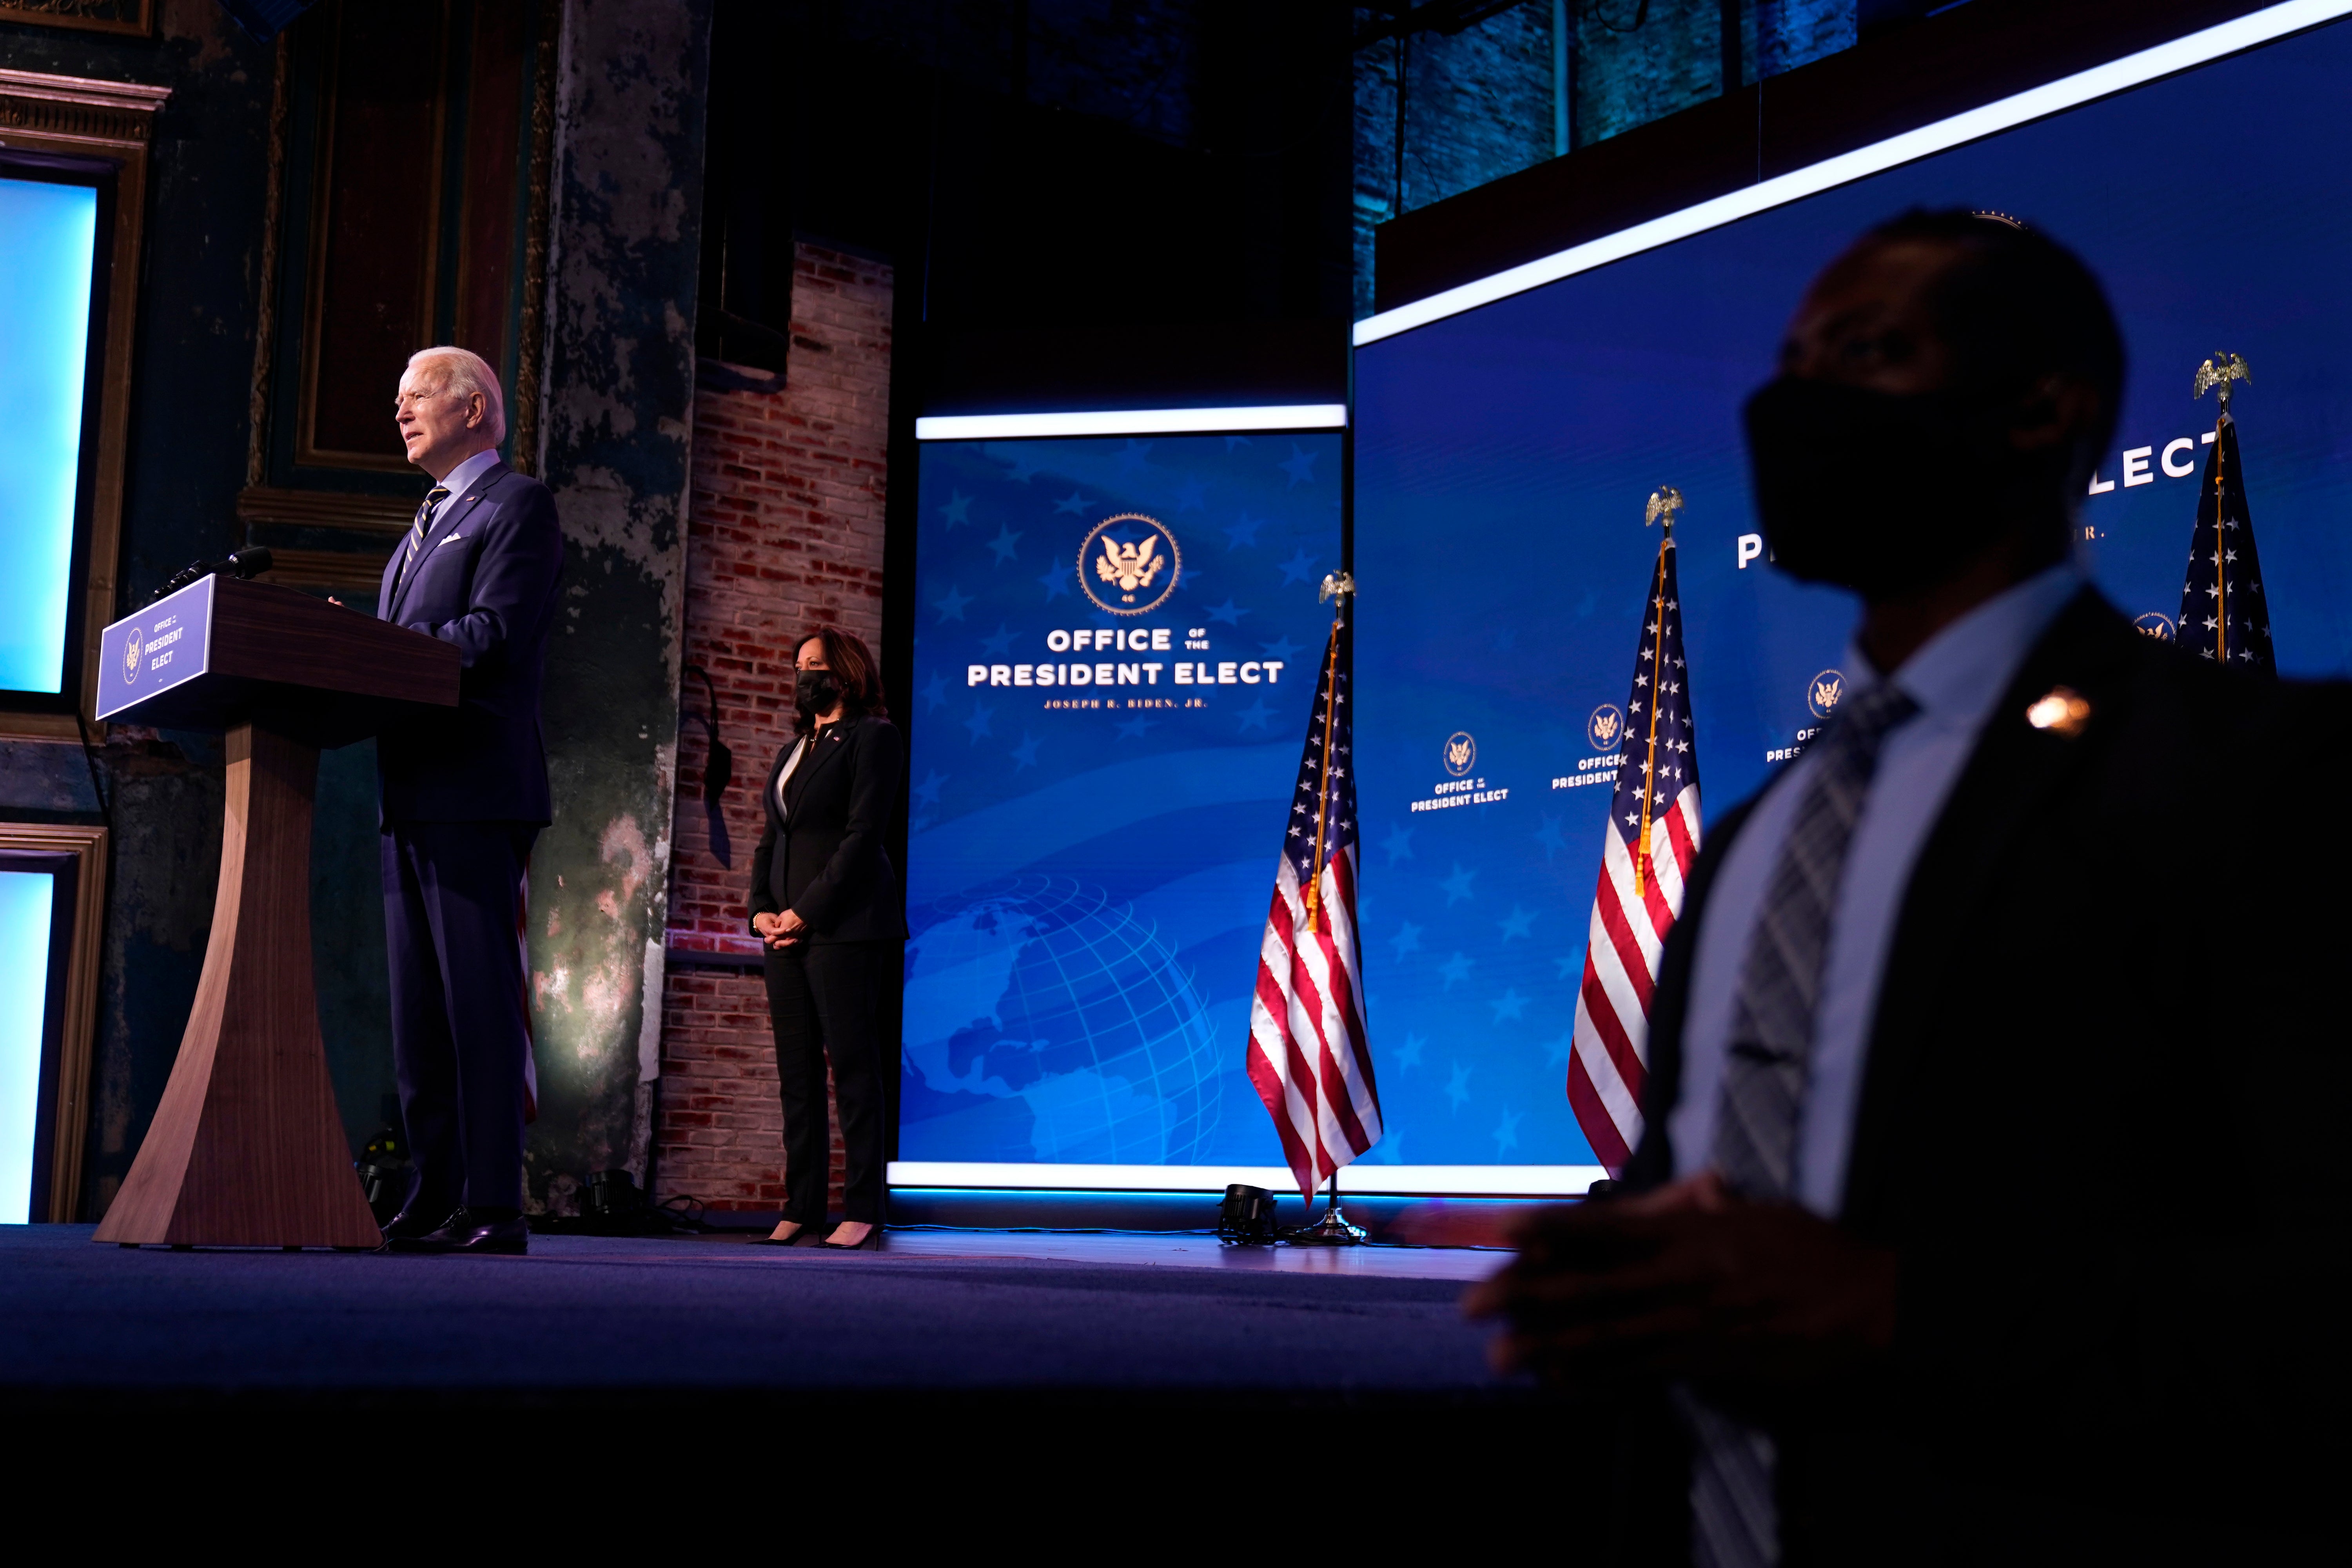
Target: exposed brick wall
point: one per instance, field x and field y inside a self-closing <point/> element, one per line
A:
<point x="784" y="532"/>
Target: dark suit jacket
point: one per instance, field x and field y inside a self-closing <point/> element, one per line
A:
<point x="484" y="580"/>
<point x="2102" y="1119"/>
<point x="828" y="862"/>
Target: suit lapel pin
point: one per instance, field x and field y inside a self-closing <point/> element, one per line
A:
<point x="2061" y="709"/>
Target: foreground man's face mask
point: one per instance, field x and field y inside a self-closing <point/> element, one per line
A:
<point x="1878" y="491"/>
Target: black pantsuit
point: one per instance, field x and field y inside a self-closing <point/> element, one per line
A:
<point x="833" y="994"/>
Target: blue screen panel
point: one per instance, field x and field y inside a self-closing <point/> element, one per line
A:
<point x="1090" y="865"/>
<point x="25" y="900"/>
<point x="1504" y="456"/>
<point x="47" y="233"/>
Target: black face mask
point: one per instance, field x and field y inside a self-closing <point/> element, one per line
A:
<point x="1882" y="492"/>
<point x="815" y="692"/>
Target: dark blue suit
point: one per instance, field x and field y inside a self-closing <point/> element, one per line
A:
<point x="463" y="794"/>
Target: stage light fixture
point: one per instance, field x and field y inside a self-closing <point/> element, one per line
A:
<point x="1246" y="1217"/>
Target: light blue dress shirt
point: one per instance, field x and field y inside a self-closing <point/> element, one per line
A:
<point x="1955" y="678"/>
<point x="463" y="474"/>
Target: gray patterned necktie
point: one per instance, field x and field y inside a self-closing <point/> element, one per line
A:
<point x="433" y="497"/>
<point x="1735" y="1524"/>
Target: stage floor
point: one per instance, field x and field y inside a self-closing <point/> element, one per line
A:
<point x="934" y="1312"/>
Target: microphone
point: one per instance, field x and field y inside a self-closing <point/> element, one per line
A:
<point x="250" y="562"/>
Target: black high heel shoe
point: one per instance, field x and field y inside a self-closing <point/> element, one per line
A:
<point x="872" y="1242"/>
<point x="792" y="1240"/>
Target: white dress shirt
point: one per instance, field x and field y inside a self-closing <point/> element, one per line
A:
<point x="1955" y="678"/>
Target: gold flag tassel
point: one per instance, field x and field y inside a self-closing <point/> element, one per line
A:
<point x="1338" y="588"/>
<point x="2220" y="370"/>
<point x="1664" y="503"/>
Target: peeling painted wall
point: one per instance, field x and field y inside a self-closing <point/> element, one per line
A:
<point x="624" y="234"/>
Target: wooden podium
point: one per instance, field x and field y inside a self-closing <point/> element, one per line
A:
<point x="248" y="1148"/>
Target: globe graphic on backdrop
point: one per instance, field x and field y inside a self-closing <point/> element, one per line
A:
<point x="1041" y="990"/>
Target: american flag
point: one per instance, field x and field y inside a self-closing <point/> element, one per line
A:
<point x="1651" y="841"/>
<point x="2223" y="614"/>
<point x="1308" y="1054"/>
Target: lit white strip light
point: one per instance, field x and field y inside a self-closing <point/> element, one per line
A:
<point x="2099" y="82"/>
<point x="1436" y="1180"/>
<point x="1133" y="421"/>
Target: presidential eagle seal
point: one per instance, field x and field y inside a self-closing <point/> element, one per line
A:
<point x="1606" y="728"/>
<point x="2156" y="624"/>
<point x="1129" y="563"/>
<point x="1461" y="752"/>
<point x="1824" y="692"/>
<point x="130" y="657"/>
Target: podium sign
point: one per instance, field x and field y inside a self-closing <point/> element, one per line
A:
<point x="246" y="1148"/>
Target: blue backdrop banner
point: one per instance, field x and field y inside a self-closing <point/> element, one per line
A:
<point x="1504" y="456"/>
<point x="1114" y="660"/>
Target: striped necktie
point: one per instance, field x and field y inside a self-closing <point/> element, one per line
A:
<point x="433" y="497"/>
<point x="1736" y="1524"/>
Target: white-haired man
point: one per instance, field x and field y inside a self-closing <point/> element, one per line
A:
<point x="463" y="794"/>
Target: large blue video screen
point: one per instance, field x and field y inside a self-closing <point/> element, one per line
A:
<point x="1115" y="655"/>
<point x="1504" y="456"/>
<point x="49" y="235"/>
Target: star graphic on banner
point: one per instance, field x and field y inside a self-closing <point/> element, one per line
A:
<point x="1457" y="1087"/>
<point x="1133" y="729"/>
<point x="1022" y="471"/>
<point x="1559" y="1047"/>
<point x="1300" y="466"/>
<point x="1398" y="845"/>
<point x="1233" y="441"/>
<point x="1516" y="922"/>
<point x="1299" y="568"/>
<point x="1457" y="886"/>
<point x="1243" y="530"/>
<point x="1076" y="501"/>
<point x="1407" y="939"/>
<point x="1568" y="967"/>
<point x="1548" y="835"/>
<point x="1508" y="1006"/>
<point x="927" y="794"/>
<point x="1280" y="648"/>
<point x="1409" y="1054"/>
<point x="1024" y="755"/>
<point x="1255" y="717"/>
<point x="1228" y="612"/>
<point x="1506" y="1133"/>
<point x="1136" y="454"/>
<point x="998" y="641"/>
<point x="950" y="604"/>
<point x="1456" y="969"/>
<point x="1057" y="580"/>
<point x="958" y="509"/>
<point x="1004" y="543"/>
<point x="1189" y="494"/>
<point x="935" y="691"/>
<point x="978" y="722"/>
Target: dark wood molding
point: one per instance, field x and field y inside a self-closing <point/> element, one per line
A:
<point x="265" y="330"/>
<point x="1937" y="67"/>
<point x="326" y="508"/>
<point x="361" y="571"/>
<point x="531" y="346"/>
<point x="113" y="122"/>
<point x="88" y="846"/>
<point x="126" y="18"/>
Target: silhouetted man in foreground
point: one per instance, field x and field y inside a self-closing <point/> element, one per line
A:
<point x="1990" y="1193"/>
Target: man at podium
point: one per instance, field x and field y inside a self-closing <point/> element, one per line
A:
<point x="463" y="794"/>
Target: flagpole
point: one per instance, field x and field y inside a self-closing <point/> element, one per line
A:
<point x="1664" y="501"/>
<point x="1332" y="1228"/>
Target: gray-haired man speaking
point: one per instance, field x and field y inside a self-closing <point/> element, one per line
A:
<point x="464" y="791"/>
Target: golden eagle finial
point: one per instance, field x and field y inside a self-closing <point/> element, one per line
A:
<point x="2220" y="371"/>
<point x="1335" y="586"/>
<point x="1664" y="501"/>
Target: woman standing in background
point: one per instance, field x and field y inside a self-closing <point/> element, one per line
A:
<point x="827" y="902"/>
